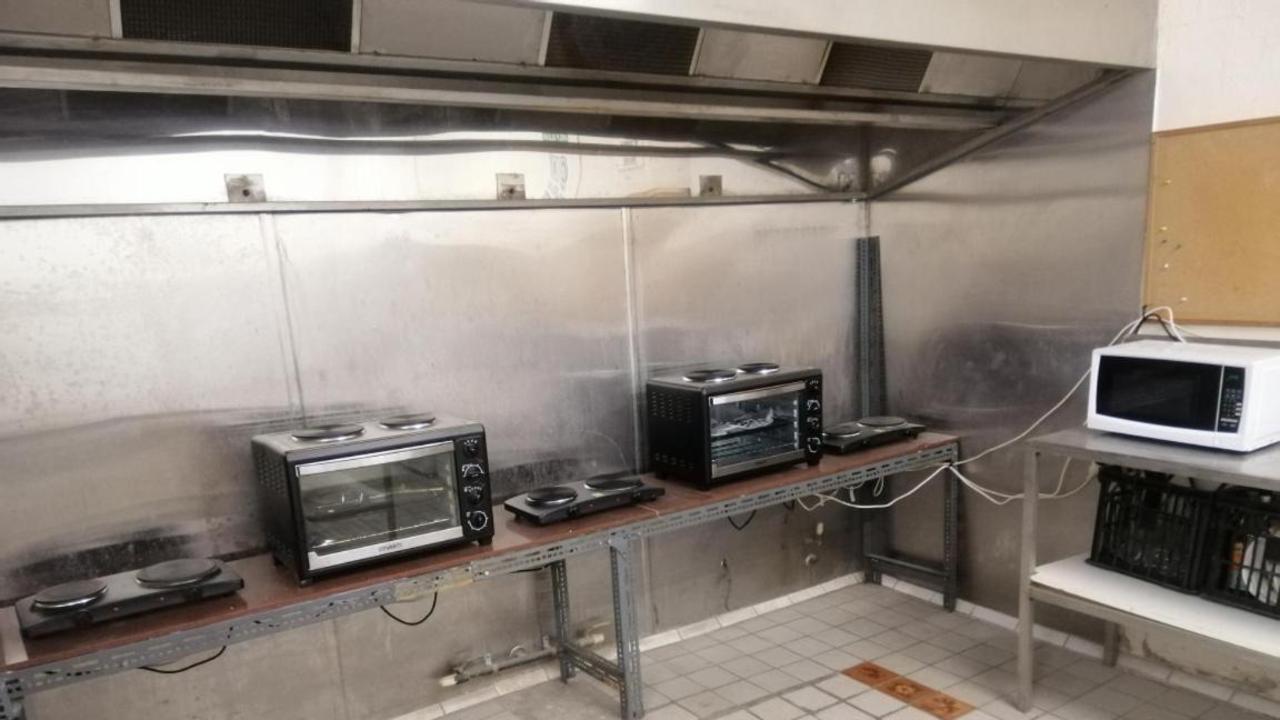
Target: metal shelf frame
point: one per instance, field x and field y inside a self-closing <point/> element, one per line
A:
<point x="944" y="576"/>
<point x="1259" y="469"/>
<point x="621" y="542"/>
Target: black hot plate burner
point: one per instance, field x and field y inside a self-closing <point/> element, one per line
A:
<point x="868" y="432"/>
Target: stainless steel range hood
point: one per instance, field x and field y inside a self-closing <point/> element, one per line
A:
<point x="675" y="75"/>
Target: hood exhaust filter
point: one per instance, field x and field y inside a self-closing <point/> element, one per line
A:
<point x="876" y="68"/>
<point x="599" y="43"/>
<point x="302" y="24"/>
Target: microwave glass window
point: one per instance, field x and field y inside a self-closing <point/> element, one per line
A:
<point x="1160" y="392"/>
<point x="753" y="430"/>
<point x="355" y="507"/>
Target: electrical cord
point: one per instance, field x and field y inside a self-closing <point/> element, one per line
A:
<point x="435" y="597"/>
<point x="995" y="496"/>
<point x="1124" y="332"/>
<point x="744" y="524"/>
<point x="824" y="498"/>
<point x="1168" y="330"/>
<point x="196" y="664"/>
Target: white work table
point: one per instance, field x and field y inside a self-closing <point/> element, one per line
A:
<point x="1074" y="584"/>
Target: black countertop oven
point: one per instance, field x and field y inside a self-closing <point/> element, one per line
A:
<point x="711" y="426"/>
<point x="338" y="496"/>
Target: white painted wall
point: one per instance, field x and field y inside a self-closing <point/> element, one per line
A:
<point x="1217" y="61"/>
<point x="1108" y="32"/>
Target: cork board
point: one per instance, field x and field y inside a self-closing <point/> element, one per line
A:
<point x="1213" y="229"/>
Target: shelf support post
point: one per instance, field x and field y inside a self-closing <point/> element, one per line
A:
<point x="1026" y="615"/>
<point x="622" y="562"/>
<point x="560" y="599"/>
<point x="10" y="708"/>
<point x="951" y="541"/>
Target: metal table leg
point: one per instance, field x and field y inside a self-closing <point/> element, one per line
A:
<point x="621" y="557"/>
<point x="1026" y="615"/>
<point x="951" y="541"/>
<point x="1110" y="644"/>
<point x="560" y="599"/>
<point x="11" y="709"/>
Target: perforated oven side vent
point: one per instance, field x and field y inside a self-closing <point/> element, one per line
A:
<point x="599" y="43"/>
<point x="876" y="68"/>
<point x="305" y="24"/>
<point x="672" y="406"/>
<point x="672" y="461"/>
<point x="270" y="471"/>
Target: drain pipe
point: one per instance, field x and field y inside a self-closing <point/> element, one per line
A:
<point x="518" y="656"/>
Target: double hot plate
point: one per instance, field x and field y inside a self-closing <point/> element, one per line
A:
<point x="868" y="432"/>
<point x="89" y="602"/>
<point x="561" y="502"/>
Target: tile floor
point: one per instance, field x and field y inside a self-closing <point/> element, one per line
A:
<point x="789" y="664"/>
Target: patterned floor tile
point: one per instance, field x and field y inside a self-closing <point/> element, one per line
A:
<point x="943" y="706"/>
<point x="905" y="689"/>
<point x="870" y="673"/>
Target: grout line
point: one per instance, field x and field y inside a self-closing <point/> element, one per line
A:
<point x="1133" y="664"/>
<point x="537" y="676"/>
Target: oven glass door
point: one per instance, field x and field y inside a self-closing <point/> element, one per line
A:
<point x="1160" y="392"/>
<point x="361" y="507"/>
<point x="755" y="428"/>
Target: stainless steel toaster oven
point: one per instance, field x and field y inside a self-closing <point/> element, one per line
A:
<point x="339" y="496"/>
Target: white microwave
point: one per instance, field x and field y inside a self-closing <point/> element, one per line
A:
<point x="1218" y="396"/>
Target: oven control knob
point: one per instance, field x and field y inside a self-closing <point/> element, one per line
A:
<point x="478" y="520"/>
<point x="471" y="446"/>
<point x="471" y="471"/>
<point x="813" y="404"/>
<point x="813" y="422"/>
<point x="473" y="493"/>
<point x="814" y="444"/>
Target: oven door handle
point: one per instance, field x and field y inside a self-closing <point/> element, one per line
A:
<point x="379" y="458"/>
<point x="757" y="394"/>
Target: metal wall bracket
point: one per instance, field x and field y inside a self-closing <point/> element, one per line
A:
<point x="510" y="186"/>
<point x="245" y="188"/>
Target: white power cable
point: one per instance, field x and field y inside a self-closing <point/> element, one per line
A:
<point x="1058" y="405"/>
<point x="824" y="498"/>
<point x="995" y="496"/>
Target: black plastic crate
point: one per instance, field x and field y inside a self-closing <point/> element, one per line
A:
<point x="1151" y="529"/>
<point x="1242" y="555"/>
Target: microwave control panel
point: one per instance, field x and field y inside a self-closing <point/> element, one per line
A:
<point x="1232" y="400"/>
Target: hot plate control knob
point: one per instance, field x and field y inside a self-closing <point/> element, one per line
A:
<point x="813" y="404"/>
<point x="478" y="520"/>
<point x="473" y="493"/>
<point x="814" y="444"/>
<point x="471" y="471"/>
<point x="471" y="446"/>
